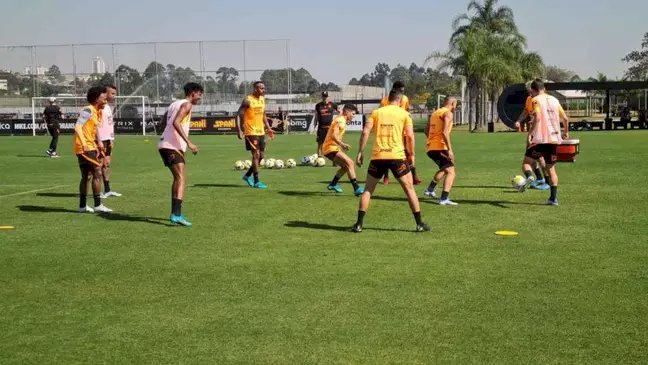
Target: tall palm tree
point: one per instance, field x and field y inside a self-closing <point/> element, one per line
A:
<point x="487" y="16"/>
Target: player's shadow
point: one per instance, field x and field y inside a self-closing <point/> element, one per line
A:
<point x="58" y="195"/>
<point x="480" y="187"/>
<point x="307" y="193"/>
<point x="219" y="186"/>
<point x="33" y="156"/>
<point x="494" y="203"/>
<point x="106" y="216"/>
<point x="328" y="227"/>
<point x="341" y="182"/>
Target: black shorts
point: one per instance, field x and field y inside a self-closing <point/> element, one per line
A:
<point x="441" y="158"/>
<point x="53" y="129"/>
<point x="378" y="168"/>
<point x="89" y="160"/>
<point x="253" y="143"/>
<point x="322" y="131"/>
<point x="171" y="157"/>
<point x="331" y="155"/>
<point x="548" y="151"/>
<point x="107" y="151"/>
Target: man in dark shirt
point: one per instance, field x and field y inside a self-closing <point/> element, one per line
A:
<point x="323" y="118"/>
<point x="52" y="115"/>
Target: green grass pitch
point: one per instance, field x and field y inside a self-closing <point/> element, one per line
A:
<point x="276" y="277"/>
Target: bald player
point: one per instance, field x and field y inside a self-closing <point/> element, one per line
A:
<point x="545" y="136"/>
<point x="439" y="149"/>
<point x="252" y="127"/>
<point x="174" y="143"/>
<point x="391" y="126"/>
<point x="405" y="105"/>
<point x="523" y="120"/>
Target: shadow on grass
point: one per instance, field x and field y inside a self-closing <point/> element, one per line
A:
<point x="33" y="156"/>
<point x="58" y="195"/>
<point x="480" y="186"/>
<point x="106" y="216"/>
<point x="328" y="227"/>
<point x="494" y="203"/>
<point x="220" y="186"/>
<point x="307" y="193"/>
<point x="345" y="180"/>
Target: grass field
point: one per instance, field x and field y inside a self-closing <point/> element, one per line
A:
<point x="276" y="277"/>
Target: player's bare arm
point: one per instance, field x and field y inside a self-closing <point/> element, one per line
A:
<point x="185" y="110"/>
<point x="268" y="126"/>
<point x="447" y="124"/>
<point x="240" y="115"/>
<point x="364" y="138"/>
<point x="338" y="141"/>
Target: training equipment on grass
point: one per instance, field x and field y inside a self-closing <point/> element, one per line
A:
<point x="320" y="162"/>
<point x="262" y="162"/>
<point x="568" y="150"/>
<point x="506" y="233"/>
<point x="6" y="227"/>
<point x="247" y="164"/>
<point x="270" y="163"/>
<point x="306" y="161"/>
<point x="518" y="181"/>
<point x="290" y="163"/>
<point x="279" y="164"/>
<point x="239" y="165"/>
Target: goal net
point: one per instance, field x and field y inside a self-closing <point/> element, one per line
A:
<point x="132" y="114"/>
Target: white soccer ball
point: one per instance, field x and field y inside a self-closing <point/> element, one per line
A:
<point x="239" y="165"/>
<point x="262" y="162"/>
<point x="518" y="181"/>
<point x="320" y="162"/>
<point x="247" y="164"/>
<point x="279" y="164"/>
<point x="270" y="163"/>
<point x="291" y="163"/>
<point x="306" y="160"/>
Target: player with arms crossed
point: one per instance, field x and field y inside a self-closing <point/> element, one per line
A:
<point x="439" y="149"/>
<point x="173" y="144"/>
<point x="520" y="123"/>
<point x="545" y="136"/>
<point x="391" y="125"/>
<point x="106" y="134"/>
<point x="52" y="115"/>
<point x="334" y="149"/>
<point x="87" y="146"/>
<point x="253" y="126"/>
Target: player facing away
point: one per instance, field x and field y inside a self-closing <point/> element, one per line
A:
<point x="405" y="105"/>
<point x="324" y="111"/>
<point x="252" y="127"/>
<point x="106" y="133"/>
<point x="520" y="123"/>
<point x="335" y="150"/>
<point x="439" y="149"/>
<point x="391" y="125"/>
<point x="173" y="144"/>
<point x="545" y="136"/>
<point x="87" y="146"/>
<point x="52" y="115"/>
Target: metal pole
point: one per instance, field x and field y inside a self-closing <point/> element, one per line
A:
<point x="74" y="71"/>
<point x="245" y="85"/>
<point x="143" y="117"/>
<point x="157" y="72"/>
<point x="33" y="117"/>
<point x="289" y="76"/>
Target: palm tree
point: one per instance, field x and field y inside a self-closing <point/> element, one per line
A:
<point x="487" y="16"/>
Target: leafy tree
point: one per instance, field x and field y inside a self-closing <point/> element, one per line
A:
<point x="638" y="61"/>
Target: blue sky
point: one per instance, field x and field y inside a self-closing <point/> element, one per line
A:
<point x="335" y="40"/>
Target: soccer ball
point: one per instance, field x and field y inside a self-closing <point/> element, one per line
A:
<point x="279" y="164"/>
<point x="262" y="162"/>
<point x="306" y="160"/>
<point x="270" y="163"/>
<point x="518" y="181"/>
<point x="239" y="165"/>
<point x="247" y="164"/>
<point x="320" y="161"/>
<point x="291" y="163"/>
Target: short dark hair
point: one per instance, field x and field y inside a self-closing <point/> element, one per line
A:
<point x="94" y="93"/>
<point x="111" y="86"/>
<point x="398" y="85"/>
<point x="350" y="107"/>
<point x="192" y="87"/>
<point x="537" y="85"/>
<point x="448" y="98"/>
<point x="394" y="95"/>
<point x="256" y="83"/>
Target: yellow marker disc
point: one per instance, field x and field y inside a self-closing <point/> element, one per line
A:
<point x="7" y="227"/>
<point x="506" y="233"/>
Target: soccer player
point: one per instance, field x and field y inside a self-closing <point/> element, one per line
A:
<point x="405" y="104"/>
<point x="173" y="144"/>
<point x="545" y="136"/>
<point x="390" y="125"/>
<point x="52" y="115"/>
<point x="253" y="126"/>
<point x="87" y="146"/>
<point x="334" y="149"/>
<point x="540" y="182"/>
<point x="106" y="133"/>
<point x="439" y="149"/>
<point x="323" y="117"/>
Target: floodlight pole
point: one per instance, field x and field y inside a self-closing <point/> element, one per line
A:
<point x="33" y="117"/>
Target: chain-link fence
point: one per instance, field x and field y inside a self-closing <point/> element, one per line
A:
<point x="158" y="70"/>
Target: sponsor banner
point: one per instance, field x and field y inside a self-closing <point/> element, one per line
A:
<point x="356" y="124"/>
<point x="5" y="127"/>
<point x="213" y="125"/>
<point x="300" y="122"/>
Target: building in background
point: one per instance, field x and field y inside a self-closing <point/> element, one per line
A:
<point x="98" y="66"/>
<point x="4" y="85"/>
<point x="38" y="71"/>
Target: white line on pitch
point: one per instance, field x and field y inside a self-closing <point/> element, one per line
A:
<point x="33" y="191"/>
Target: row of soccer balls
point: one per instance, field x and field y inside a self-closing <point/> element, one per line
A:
<point x="271" y="163"/>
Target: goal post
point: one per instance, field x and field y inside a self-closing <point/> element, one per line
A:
<point x="134" y="106"/>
